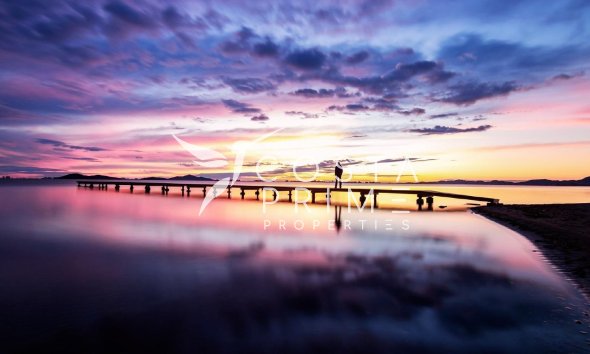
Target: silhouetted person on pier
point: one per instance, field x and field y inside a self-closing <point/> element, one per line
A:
<point x="429" y="202"/>
<point x="420" y="202"/>
<point x="338" y="172"/>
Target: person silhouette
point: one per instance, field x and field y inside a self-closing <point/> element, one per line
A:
<point x="338" y="172"/>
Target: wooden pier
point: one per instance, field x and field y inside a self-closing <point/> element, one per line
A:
<point x="188" y="187"/>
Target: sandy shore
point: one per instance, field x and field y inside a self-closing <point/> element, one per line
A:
<point x="562" y="231"/>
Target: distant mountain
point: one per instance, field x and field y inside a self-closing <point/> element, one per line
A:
<point x="81" y="176"/>
<point x="191" y="178"/>
<point x="532" y="182"/>
<point x="462" y="181"/>
<point x="177" y="178"/>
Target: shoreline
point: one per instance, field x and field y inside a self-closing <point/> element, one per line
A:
<point x="560" y="231"/>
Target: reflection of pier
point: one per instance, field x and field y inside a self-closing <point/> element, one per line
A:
<point x="364" y="192"/>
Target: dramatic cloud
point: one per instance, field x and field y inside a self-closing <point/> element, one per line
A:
<point x="383" y="104"/>
<point x="240" y="107"/>
<point x="129" y="15"/>
<point x="413" y="159"/>
<point x="494" y="58"/>
<point x="240" y="43"/>
<point x="444" y="115"/>
<point x="89" y="159"/>
<point x="358" y="57"/>
<point x="567" y="76"/>
<point x="308" y="59"/>
<point x="441" y="129"/>
<point x="246" y="41"/>
<point x="69" y="66"/>
<point x="303" y="115"/>
<point x="60" y="144"/>
<point x="29" y="170"/>
<point x="267" y="48"/>
<point x="352" y="107"/>
<point x="412" y="112"/>
<point x="391" y="83"/>
<point x="323" y="93"/>
<point x="260" y="118"/>
<point x="311" y="93"/>
<point x="465" y="94"/>
<point x="249" y="85"/>
<point x="379" y="104"/>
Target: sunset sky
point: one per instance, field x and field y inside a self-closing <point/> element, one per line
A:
<point x="471" y="90"/>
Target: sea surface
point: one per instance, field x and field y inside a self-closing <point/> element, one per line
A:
<point x="103" y="271"/>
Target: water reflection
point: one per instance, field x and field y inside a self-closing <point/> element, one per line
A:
<point x="338" y="217"/>
<point x="102" y="271"/>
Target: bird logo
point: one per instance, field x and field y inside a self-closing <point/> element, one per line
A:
<point x="210" y="158"/>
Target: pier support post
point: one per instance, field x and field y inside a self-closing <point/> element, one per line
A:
<point x="204" y="191"/>
<point x="243" y="193"/>
<point x="257" y="194"/>
<point x="228" y="192"/>
<point x="313" y="197"/>
<point x="363" y="198"/>
<point x="131" y="188"/>
<point x="163" y="190"/>
<point x="375" y="199"/>
<point x="91" y="186"/>
<point x="182" y="190"/>
<point x="290" y="195"/>
<point x="430" y="203"/>
<point x="117" y="187"/>
<point x="188" y="191"/>
<point x="274" y="195"/>
<point x="420" y="202"/>
<point x="147" y="189"/>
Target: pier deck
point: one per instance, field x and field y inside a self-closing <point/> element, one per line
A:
<point x="363" y="191"/>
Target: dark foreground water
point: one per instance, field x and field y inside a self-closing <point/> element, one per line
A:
<point x="90" y="271"/>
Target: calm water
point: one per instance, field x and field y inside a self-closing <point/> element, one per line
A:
<point x="103" y="271"/>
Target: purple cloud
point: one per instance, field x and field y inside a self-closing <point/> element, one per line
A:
<point x="464" y="94"/>
<point x="307" y="59"/>
<point x="358" y="57"/>
<point x="249" y="85"/>
<point x="260" y="118"/>
<point x="441" y="129"/>
<point x="60" y="144"/>
<point x="240" y="107"/>
<point x="412" y="112"/>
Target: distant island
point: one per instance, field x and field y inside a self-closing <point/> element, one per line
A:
<point x="534" y="182"/>
<point x="79" y="176"/>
